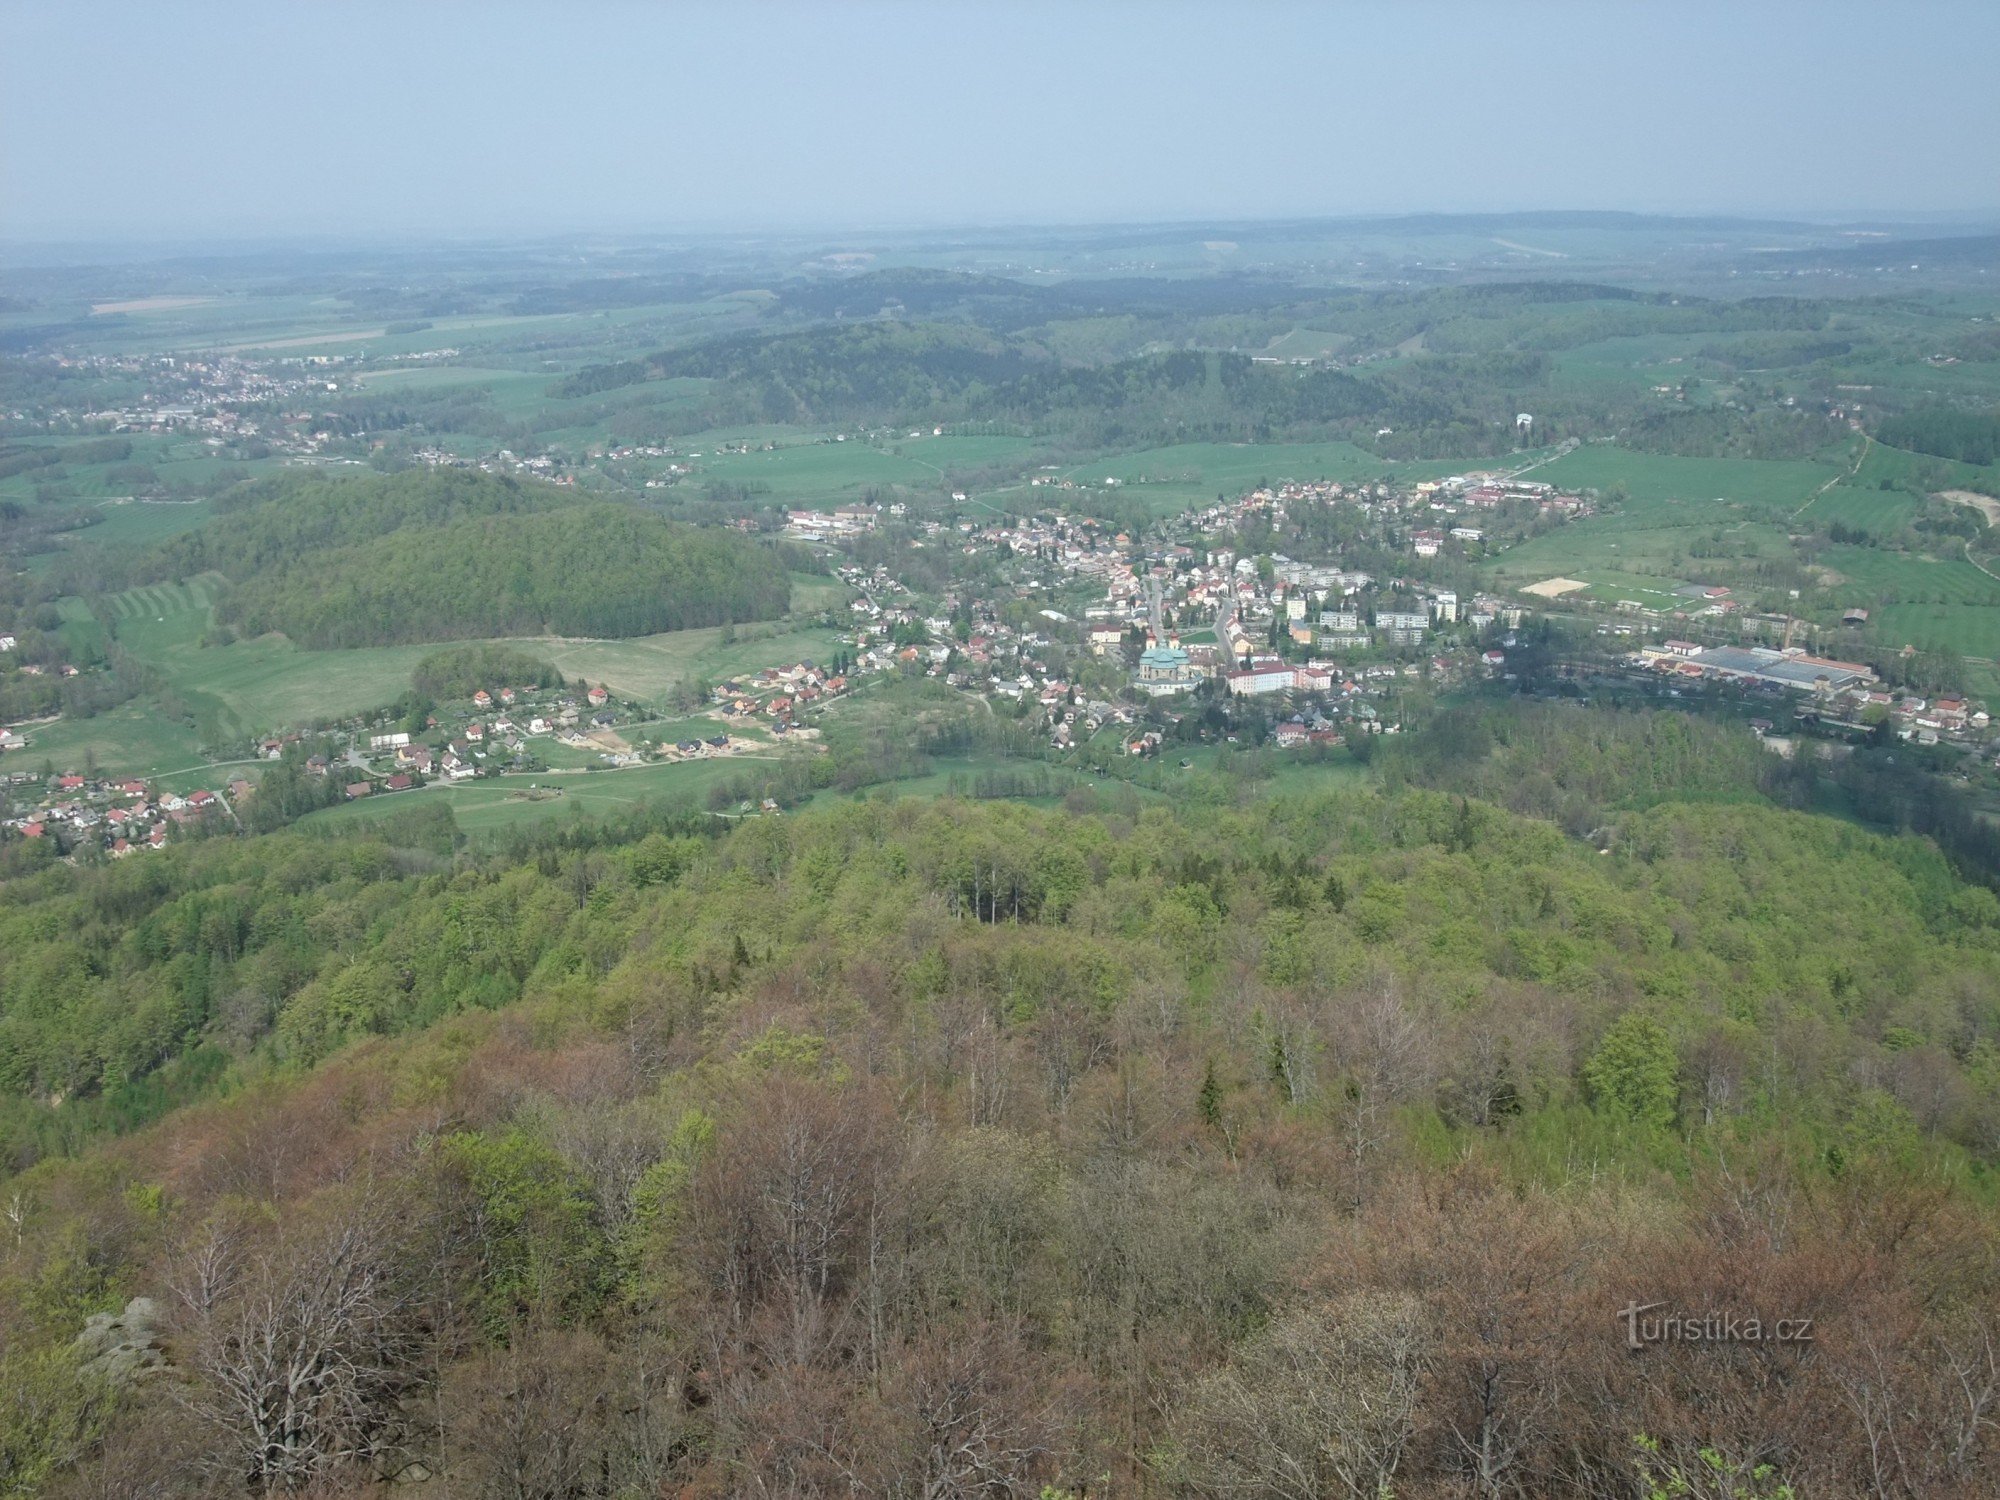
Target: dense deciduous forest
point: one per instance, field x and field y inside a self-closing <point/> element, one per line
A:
<point x="1970" y="437"/>
<point x="1303" y="1147"/>
<point x="443" y="554"/>
<point x="290" y="517"/>
<point x="591" y="570"/>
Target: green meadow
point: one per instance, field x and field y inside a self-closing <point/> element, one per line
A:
<point x="495" y="805"/>
<point x="1870" y="510"/>
<point x="808" y="470"/>
<point x="247" y="688"/>
<point x="1170" y="479"/>
<point x="1647" y="540"/>
<point x="134" y="739"/>
<point x="1968" y="629"/>
<point x="1755" y="484"/>
<point x="1903" y="578"/>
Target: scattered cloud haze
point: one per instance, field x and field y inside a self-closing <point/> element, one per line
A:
<point x="164" y="120"/>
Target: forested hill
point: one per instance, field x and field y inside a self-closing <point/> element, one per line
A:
<point x="286" y="517"/>
<point x="1466" y="360"/>
<point x="439" y="555"/>
<point x="1107" y="1149"/>
<point x="591" y="570"/>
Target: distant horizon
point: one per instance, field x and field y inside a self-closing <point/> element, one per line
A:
<point x="178" y="122"/>
<point x="223" y="241"/>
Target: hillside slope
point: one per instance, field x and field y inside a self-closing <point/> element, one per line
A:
<point x="945" y="1148"/>
<point x="451" y="555"/>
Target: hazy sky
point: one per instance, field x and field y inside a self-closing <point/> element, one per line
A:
<point x="164" y="119"/>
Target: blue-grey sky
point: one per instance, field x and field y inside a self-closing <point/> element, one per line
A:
<point x="166" y="119"/>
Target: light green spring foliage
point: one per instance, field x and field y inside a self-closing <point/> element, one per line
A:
<point x="1634" y="1071"/>
<point x="124" y="990"/>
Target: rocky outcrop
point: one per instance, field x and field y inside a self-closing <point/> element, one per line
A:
<point x="123" y="1347"/>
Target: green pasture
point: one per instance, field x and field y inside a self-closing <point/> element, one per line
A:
<point x="1900" y="466"/>
<point x="1632" y="361"/>
<point x="1875" y="511"/>
<point x="812" y="592"/>
<point x="1185" y="475"/>
<point x="248" y="688"/>
<point x="672" y="731"/>
<point x="1968" y="629"/>
<point x="1307" y="343"/>
<point x="238" y="691"/>
<point x="1939" y="603"/>
<point x="82" y="631"/>
<point x="134" y="739"/>
<point x="141" y="523"/>
<point x="495" y="805"/>
<point x="1904" y="578"/>
<point x="1655" y="540"/>
<point x="647" y="666"/>
<point x="1756" y="484"/>
<point x="805" y="472"/>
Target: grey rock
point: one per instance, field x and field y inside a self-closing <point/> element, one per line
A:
<point x="122" y="1347"/>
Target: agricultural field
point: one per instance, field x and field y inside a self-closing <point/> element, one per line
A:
<point x="238" y="691"/>
<point x="1308" y="343"/>
<point x="1969" y="629"/>
<point x="1872" y="510"/>
<point x="1632" y="361"/>
<point x="141" y="523"/>
<point x="1768" y="485"/>
<point x="1167" y="480"/>
<point x="807" y="470"/>
<point x="1908" y="579"/>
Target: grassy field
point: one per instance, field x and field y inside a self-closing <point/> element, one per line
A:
<point x="1166" y="480"/>
<point x="134" y="739"/>
<point x="1653" y="541"/>
<point x="239" y="691"/>
<point x="1932" y="603"/>
<point x="647" y="666"/>
<point x="1871" y="510"/>
<point x="812" y="592"/>
<point x="485" y="808"/>
<point x="1900" y="466"/>
<point x="1969" y="629"/>
<point x="248" y="688"/>
<point x="805" y="472"/>
<point x="1904" y="578"/>
<point x="1755" y="484"/>
<point x="674" y="730"/>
